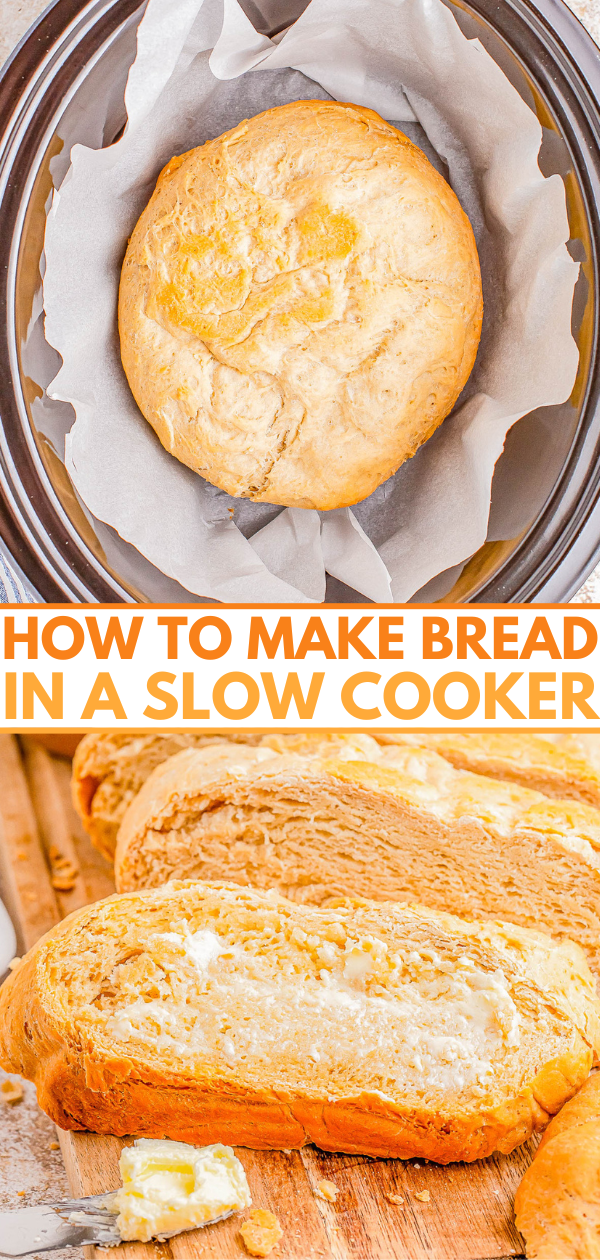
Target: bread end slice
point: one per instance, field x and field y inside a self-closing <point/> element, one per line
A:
<point x="557" y="1205"/>
<point x="109" y="769"/>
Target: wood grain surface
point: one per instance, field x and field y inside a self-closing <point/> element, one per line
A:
<point x="469" y="1212"/>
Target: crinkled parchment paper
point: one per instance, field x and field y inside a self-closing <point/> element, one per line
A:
<point x="200" y="69"/>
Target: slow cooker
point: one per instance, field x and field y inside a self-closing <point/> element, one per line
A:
<point x="64" y="84"/>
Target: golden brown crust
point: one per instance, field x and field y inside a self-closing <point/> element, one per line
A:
<point x="300" y="305"/>
<point x="83" y="1084"/>
<point x="583" y="1107"/>
<point x="557" y="1205"/>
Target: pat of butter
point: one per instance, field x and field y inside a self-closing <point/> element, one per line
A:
<point x="170" y="1186"/>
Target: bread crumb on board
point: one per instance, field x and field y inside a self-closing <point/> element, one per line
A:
<point x="261" y="1232"/>
<point x="396" y="1199"/>
<point x="327" y="1190"/>
<point x="54" y="1146"/>
<point x="14" y="963"/>
<point x="11" y="1092"/>
<point x="423" y="1196"/>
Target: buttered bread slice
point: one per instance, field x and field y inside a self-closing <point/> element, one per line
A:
<point x="211" y="1013"/>
<point x="409" y="829"/>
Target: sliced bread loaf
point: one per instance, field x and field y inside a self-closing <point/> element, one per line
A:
<point x="211" y="1013"/>
<point x="109" y="769"/>
<point x="416" y="829"/>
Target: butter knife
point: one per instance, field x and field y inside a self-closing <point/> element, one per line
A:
<point x="75" y="1223"/>
<point x="52" y="1225"/>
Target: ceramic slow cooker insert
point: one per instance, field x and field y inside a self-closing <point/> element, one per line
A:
<point x="64" y="84"/>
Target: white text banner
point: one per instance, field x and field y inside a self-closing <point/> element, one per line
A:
<point x="336" y="667"/>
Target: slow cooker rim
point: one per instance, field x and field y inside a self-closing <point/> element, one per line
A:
<point x="582" y="56"/>
<point x="26" y="535"/>
<point x="525" y="575"/>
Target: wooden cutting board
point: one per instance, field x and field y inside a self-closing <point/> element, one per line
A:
<point x="469" y="1213"/>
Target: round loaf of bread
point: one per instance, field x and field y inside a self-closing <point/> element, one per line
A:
<point x="300" y="305"/>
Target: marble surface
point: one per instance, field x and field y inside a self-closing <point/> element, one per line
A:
<point x="31" y="1169"/>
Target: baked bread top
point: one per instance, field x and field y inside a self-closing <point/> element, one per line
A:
<point x="241" y="1017"/>
<point x="300" y="305"/>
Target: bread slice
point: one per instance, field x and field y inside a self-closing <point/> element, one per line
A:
<point x="211" y="1013"/>
<point x="416" y="829"/>
<point x="108" y="771"/>
<point x="557" y="1205"/>
<point x="563" y="765"/>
